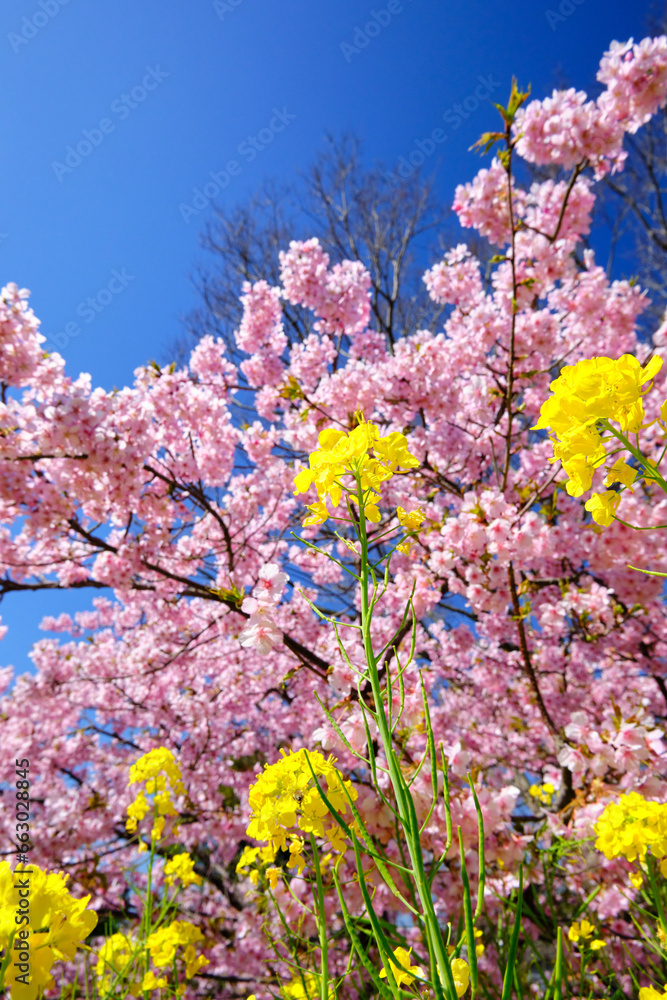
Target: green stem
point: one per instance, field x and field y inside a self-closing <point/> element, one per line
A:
<point x="655" y="892"/>
<point x="469" y="924"/>
<point x="321" y="922"/>
<point x="147" y="915"/>
<point x="405" y="803"/>
<point x="636" y="453"/>
<point x="558" y="971"/>
<point x="4" y="965"/>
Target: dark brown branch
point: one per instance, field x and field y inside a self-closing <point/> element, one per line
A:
<point x="527" y="662"/>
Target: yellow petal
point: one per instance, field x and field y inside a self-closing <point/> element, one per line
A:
<point x="303" y="480"/>
<point x="651" y="369"/>
<point x="620" y="472"/>
<point x="329" y="437"/>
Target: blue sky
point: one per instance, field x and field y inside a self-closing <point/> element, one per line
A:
<point x="116" y="114"/>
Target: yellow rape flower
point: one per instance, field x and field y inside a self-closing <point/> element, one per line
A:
<point x="603" y="506"/>
<point x="580" y="931"/>
<point x="246" y="859"/>
<point x="650" y="993"/>
<point x="342" y="453"/>
<point x="150" y="982"/>
<point x="52" y="926"/>
<point x="636" y="879"/>
<point x="193" y="961"/>
<point x="371" y="509"/>
<point x="152" y="768"/>
<point x="181" y="867"/>
<point x="297" y="859"/>
<point x="410" y="520"/>
<point x="136" y="811"/>
<point x="596" y="389"/>
<point x="631" y="826"/>
<point x="591" y="391"/>
<point x="392" y="450"/>
<point x="579" y="469"/>
<point x="119" y="959"/>
<point x="163" y="942"/>
<point x="461" y="975"/>
<point x="161" y="775"/>
<point x="273" y="874"/>
<point x="479" y="948"/>
<point x="621" y="472"/>
<point x="372" y="473"/>
<point x="403" y="971"/>
<point x="285" y="799"/>
<point x="543" y="792"/>
<point x="318" y="515"/>
<point x="303" y="987"/>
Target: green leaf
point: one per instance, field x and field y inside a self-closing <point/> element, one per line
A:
<point x="380" y="985"/>
<point x="517" y="98"/>
<point x="558" y="971"/>
<point x="384" y="947"/>
<point x="487" y="141"/>
<point x="467" y="912"/>
<point x="514" y="941"/>
<point x="480" y="850"/>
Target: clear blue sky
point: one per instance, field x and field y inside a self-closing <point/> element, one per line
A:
<point x="153" y="96"/>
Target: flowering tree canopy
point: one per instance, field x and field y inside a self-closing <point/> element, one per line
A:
<point x="542" y="653"/>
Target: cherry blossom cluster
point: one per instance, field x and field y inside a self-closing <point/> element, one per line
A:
<point x="339" y="297"/>
<point x="261" y="631"/>
<point x="566" y="129"/>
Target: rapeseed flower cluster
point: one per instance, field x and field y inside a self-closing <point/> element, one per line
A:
<point x="410" y="521"/>
<point x="286" y="803"/>
<point x="181" y="867"/>
<point x="163" y="943"/>
<point x="631" y="826"/>
<point x="361" y="453"/>
<point x="55" y="925"/>
<point x="120" y="961"/>
<point x="154" y="770"/>
<point x="544" y="792"/>
<point x="594" y="391"/>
